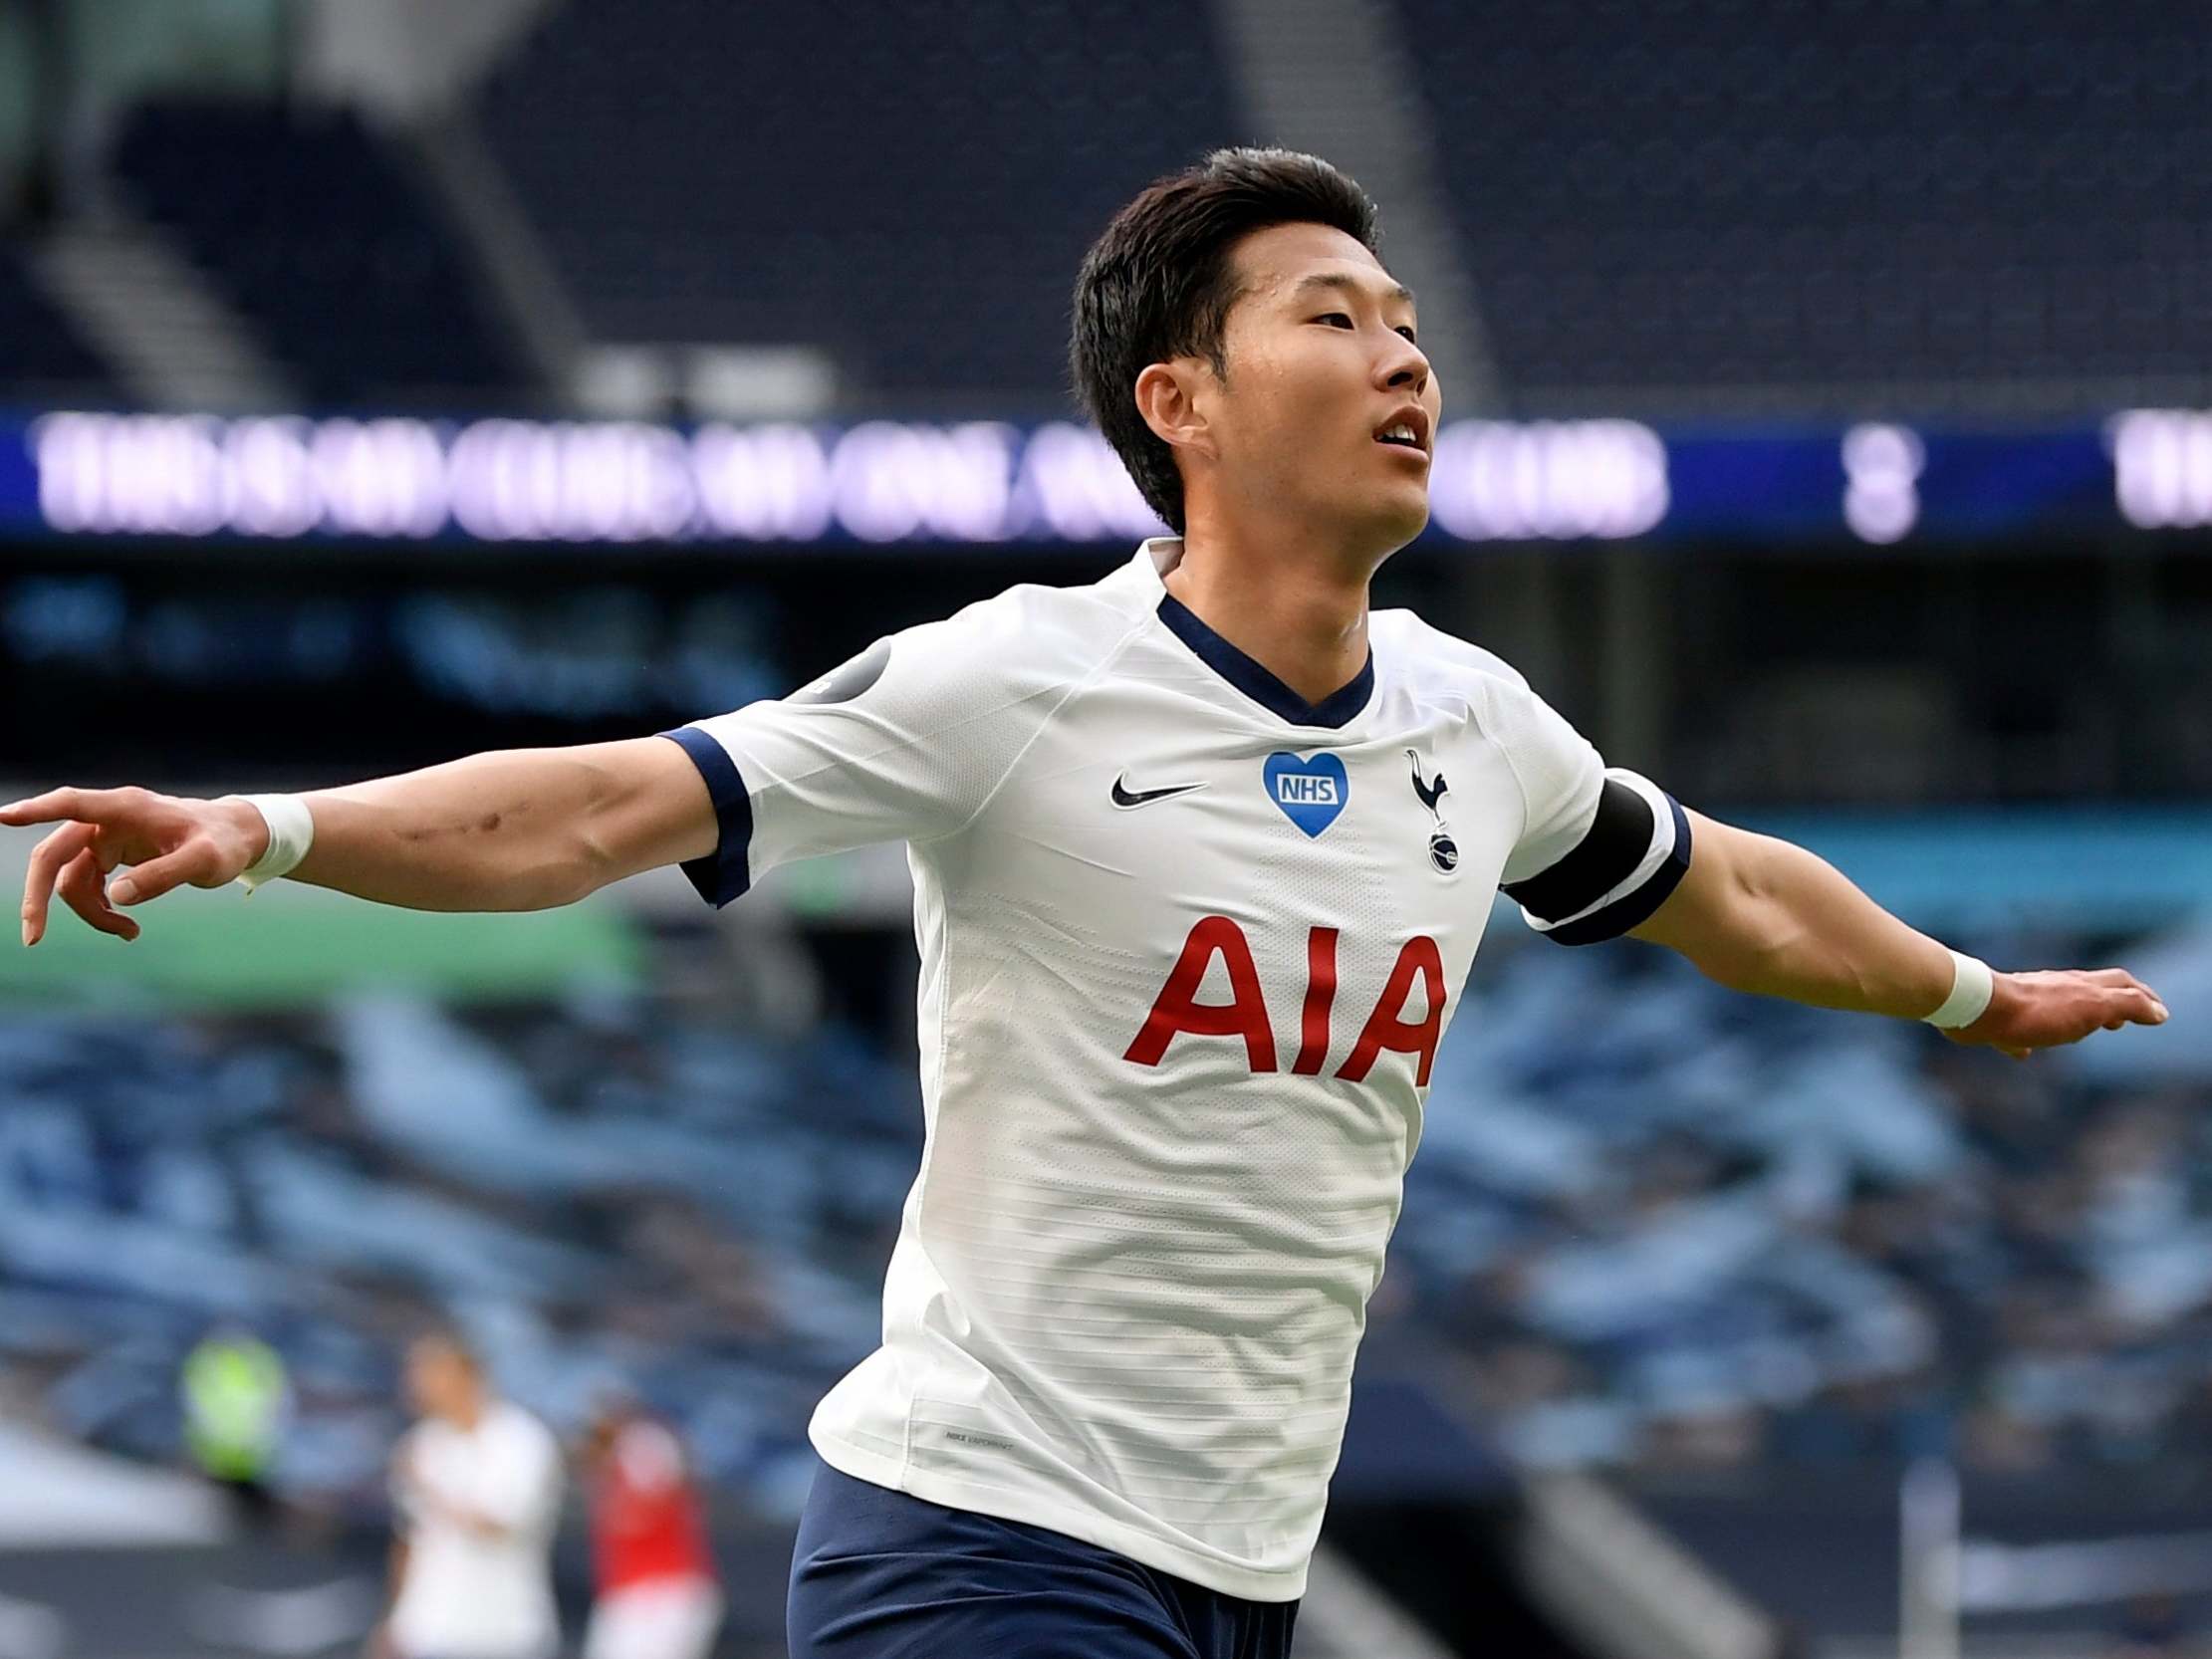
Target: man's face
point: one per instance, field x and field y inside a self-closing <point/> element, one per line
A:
<point x="1322" y="363"/>
<point x="440" y="1380"/>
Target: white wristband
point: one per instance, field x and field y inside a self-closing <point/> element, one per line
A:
<point x="1972" y="985"/>
<point x="291" y="834"/>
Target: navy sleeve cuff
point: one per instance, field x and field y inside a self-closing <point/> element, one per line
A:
<point x="726" y="872"/>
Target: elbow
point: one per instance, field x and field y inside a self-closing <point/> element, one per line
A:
<point x="565" y="880"/>
<point x="587" y="855"/>
<point x="588" y="862"/>
<point x="542" y="878"/>
<point x="604" y="844"/>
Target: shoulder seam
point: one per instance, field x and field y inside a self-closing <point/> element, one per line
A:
<point x="1436" y="645"/>
<point x="1091" y="674"/>
<point x="1480" y="710"/>
<point x="1505" y="750"/>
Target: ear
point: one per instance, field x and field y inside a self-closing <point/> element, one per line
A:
<point x="1166" y="398"/>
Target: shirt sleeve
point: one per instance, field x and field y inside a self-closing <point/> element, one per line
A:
<point x="1600" y="849"/>
<point x="905" y="742"/>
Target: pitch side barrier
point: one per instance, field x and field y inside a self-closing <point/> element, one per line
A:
<point x="495" y="481"/>
<point x="1946" y="1578"/>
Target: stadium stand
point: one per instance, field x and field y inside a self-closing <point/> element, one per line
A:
<point x="610" y="1193"/>
<point x="808" y="181"/>
<point x="1696" y="1231"/>
<point x="1660" y="1227"/>
<point x="325" y="239"/>
<point x="40" y="353"/>
<point x="1968" y="203"/>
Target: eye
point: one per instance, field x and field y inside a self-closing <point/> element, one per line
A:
<point x="1335" y="318"/>
<point x="1406" y="329"/>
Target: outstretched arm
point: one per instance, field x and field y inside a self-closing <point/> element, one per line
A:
<point x="1759" y="914"/>
<point x="513" y="830"/>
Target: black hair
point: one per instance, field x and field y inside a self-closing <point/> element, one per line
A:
<point x="1159" y="284"/>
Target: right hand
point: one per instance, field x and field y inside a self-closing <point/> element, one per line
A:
<point x="165" y="840"/>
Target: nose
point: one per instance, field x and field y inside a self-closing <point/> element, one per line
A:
<point x="1404" y="367"/>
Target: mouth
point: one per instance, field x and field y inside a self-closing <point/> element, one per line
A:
<point x="1406" y="429"/>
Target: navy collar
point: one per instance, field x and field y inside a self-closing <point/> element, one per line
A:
<point x="1249" y="677"/>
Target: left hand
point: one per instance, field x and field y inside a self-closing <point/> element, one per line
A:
<point x="2046" y="1010"/>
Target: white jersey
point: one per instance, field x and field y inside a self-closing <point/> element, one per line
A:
<point x="1189" y="944"/>
<point x="464" y="1594"/>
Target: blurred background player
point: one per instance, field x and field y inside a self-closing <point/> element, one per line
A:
<point x="655" y="1594"/>
<point x="476" y="1488"/>
<point x="236" y="1401"/>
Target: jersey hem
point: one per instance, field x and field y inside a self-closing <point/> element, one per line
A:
<point x="1247" y="1584"/>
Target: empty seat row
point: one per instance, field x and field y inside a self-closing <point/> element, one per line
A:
<point x="314" y="226"/>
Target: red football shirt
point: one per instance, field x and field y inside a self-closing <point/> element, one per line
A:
<point x="646" y="1522"/>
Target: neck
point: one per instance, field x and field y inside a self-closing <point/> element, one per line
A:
<point x="1296" y="603"/>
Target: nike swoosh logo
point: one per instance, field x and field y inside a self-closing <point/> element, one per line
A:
<point x="1125" y="796"/>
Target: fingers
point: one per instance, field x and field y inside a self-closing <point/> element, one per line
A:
<point x="2120" y="979"/>
<point x="193" y="861"/>
<point x="48" y="859"/>
<point x="82" y="887"/>
<point x="85" y="805"/>
<point x="2111" y="1009"/>
<point x="50" y="808"/>
<point x="2135" y="1004"/>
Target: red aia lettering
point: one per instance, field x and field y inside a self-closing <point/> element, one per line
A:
<point x="1320" y="995"/>
<point x="1387" y="1029"/>
<point x="1177" y="1008"/>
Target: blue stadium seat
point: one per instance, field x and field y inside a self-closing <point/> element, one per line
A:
<point x="1640" y="1201"/>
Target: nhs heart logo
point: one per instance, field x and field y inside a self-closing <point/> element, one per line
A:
<point x="1311" y="793"/>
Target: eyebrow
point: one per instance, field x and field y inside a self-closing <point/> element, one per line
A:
<point x="1350" y="284"/>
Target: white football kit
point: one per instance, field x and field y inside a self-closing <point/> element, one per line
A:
<point x="465" y="1593"/>
<point x="1189" y="944"/>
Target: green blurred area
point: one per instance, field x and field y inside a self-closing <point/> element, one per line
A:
<point x="289" y="945"/>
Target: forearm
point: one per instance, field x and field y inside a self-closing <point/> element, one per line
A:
<point x="1758" y="914"/>
<point x="518" y="829"/>
<point x="512" y="830"/>
<point x="1786" y="923"/>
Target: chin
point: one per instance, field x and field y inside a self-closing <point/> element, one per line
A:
<point x="1375" y="521"/>
<point x="1398" y="522"/>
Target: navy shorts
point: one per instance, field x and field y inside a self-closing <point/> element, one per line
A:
<point x="880" y="1574"/>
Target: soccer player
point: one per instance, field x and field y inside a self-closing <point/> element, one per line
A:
<point x="657" y="1594"/>
<point x="1201" y="854"/>
<point x="476" y="1484"/>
